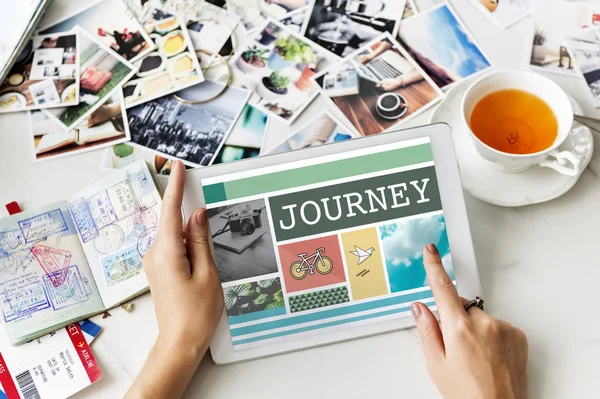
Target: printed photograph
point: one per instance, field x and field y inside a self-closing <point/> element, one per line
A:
<point x="420" y="6"/>
<point x="102" y="73"/>
<point x="111" y="23"/>
<point x="403" y="244"/>
<point x="255" y="13"/>
<point x="343" y="27"/>
<point x="253" y="297"/>
<point x="295" y="20"/>
<point x="443" y="46"/>
<point x="311" y="263"/>
<point x="46" y="75"/>
<point x="277" y="66"/>
<point x="247" y="137"/>
<point x="172" y="67"/>
<point x="553" y="23"/>
<point x="379" y="86"/>
<point x="505" y="13"/>
<point x="242" y="240"/>
<point x="323" y="129"/>
<point x="586" y="56"/>
<point x="104" y="127"/>
<point x="184" y="126"/>
<point x="122" y="155"/>
<point x="409" y="10"/>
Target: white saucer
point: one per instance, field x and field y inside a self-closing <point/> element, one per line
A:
<point x="483" y="181"/>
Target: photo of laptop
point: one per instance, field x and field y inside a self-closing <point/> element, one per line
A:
<point x="388" y="65"/>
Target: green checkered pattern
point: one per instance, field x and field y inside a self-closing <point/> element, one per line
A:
<point x="319" y="299"/>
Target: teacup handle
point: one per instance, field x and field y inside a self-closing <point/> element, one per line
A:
<point x="561" y="161"/>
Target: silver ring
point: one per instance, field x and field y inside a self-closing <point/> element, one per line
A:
<point x="478" y="301"/>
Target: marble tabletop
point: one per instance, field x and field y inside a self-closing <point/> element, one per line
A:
<point x="538" y="267"/>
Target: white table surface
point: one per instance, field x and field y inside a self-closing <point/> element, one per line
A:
<point x="539" y="268"/>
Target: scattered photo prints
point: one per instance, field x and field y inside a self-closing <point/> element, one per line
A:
<point x="323" y="129"/>
<point x="183" y="126"/>
<point x="247" y="137"/>
<point x="505" y="12"/>
<point x="172" y="67"/>
<point x="442" y="46"/>
<point x="295" y="20"/>
<point x="342" y="26"/>
<point x="277" y="66"/>
<point x="420" y="6"/>
<point x="111" y="23"/>
<point x="378" y="86"/>
<point x="102" y="73"/>
<point x="46" y="74"/>
<point x="104" y="127"/>
<point x="122" y="155"/>
<point x="409" y="10"/>
<point x="255" y="13"/>
<point x="552" y="22"/>
<point x="242" y="240"/>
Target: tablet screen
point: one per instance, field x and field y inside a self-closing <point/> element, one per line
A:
<point x="326" y="243"/>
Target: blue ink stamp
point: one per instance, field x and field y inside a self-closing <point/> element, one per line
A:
<point x="22" y="296"/>
<point x="43" y="225"/>
<point x="83" y="220"/>
<point x="121" y="266"/>
<point x="71" y="292"/>
<point x="101" y="210"/>
<point x="143" y="187"/>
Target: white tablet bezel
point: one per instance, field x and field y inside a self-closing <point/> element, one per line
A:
<point x="459" y="237"/>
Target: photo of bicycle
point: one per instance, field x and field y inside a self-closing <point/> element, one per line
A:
<point x="320" y="263"/>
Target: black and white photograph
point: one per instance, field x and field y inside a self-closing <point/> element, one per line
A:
<point x="184" y="125"/>
<point x="242" y="240"/>
<point x="344" y="26"/>
<point x="587" y="58"/>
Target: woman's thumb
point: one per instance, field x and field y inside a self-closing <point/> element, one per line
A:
<point x="429" y="332"/>
<point x="197" y="239"/>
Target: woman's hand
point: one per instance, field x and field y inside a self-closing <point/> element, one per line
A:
<point x="187" y="296"/>
<point x="473" y="355"/>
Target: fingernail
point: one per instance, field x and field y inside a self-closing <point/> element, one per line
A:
<point x="416" y="311"/>
<point x="201" y="217"/>
<point x="432" y="249"/>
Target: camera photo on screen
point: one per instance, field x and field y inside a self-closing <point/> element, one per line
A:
<point x="242" y="240"/>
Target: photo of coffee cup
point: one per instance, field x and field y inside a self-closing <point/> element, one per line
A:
<point x="391" y="106"/>
<point x="518" y="119"/>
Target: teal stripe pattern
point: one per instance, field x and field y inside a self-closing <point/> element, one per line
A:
<point x="263" y="314"/>
<point x="327" y="314"/>
<point x="324" y="325"/>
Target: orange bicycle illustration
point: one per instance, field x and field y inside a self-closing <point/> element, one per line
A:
<point x="320" y="263"/>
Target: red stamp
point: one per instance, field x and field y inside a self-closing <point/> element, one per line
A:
<point x="54" y="261"/>
<point x="142" y="221"/>
<point x="146" y="240"/>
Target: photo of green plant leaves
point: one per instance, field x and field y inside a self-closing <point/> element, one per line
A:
<point x="253" y="297"/>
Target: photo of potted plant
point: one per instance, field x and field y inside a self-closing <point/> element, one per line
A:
<point x="290" y="50"/>
<point x="538" y="53"/>
<point x="252" y="59"/>
<point x="274" y="86"/>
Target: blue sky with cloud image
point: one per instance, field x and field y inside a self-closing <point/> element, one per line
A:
<point x="443" y="39"/>
<point x="403" y="243"/>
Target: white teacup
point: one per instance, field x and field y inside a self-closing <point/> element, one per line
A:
<point x="564" y="162"/>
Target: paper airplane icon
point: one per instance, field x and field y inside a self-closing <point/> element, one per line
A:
<point x="362" y="254"/>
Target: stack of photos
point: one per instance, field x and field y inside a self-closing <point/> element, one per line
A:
<point x="105" y="126"/>
<point x="388" y="87"/>
<point x="323" y="129"/>
<point x="295" y="20"/>
<point x="172" y="67"/>
<point x="255" y="13"/>
<point x="552" y="22"/>
<point x="442" y="45"/>
<point x="112" y="24"/>
<point x="342" y="27"/>
<point x="247" y="137"/>
<point x="505" y="13"/>
<point x="277" y="66"/>
<point x="188" y="125"/>
<point x="102" y="73"/>
<point x="46" y="75"/>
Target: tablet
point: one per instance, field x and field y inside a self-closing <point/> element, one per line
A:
<point x="324" y="244"/>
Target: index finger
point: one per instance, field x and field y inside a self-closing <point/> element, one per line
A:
<point x="171" y="221"/>
<point x="446" y="298"/>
